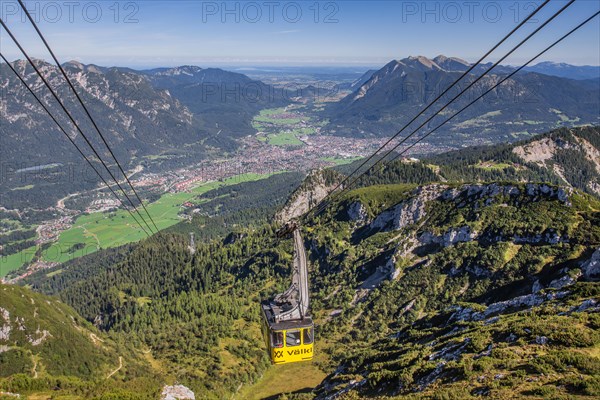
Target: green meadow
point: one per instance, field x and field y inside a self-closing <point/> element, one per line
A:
<point x="15" y="261"/>
<point x="284" y="139"/>
<point x="266" y="116"/>
<point x="279" y="131"/>
<point x="341" y="160"/>
<point x="96" y="231"/>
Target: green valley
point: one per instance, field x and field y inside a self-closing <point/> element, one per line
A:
<point x="96" y="231"/>
<point x="282" y="126"/>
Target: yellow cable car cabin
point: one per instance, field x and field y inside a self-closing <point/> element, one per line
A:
<point x="288" y="328"/>
<point x="288" y="341"/>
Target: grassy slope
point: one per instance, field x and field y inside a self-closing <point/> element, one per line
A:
<point x="279" y="380"/>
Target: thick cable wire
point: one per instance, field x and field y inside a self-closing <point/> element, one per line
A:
<point x="70" y="140"/>
<point x="86" y="110"/>
<point x="320" y="206"/>
<point x="15" y="40"/>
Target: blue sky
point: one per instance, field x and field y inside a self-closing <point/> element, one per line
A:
<point x="152" y="33"/>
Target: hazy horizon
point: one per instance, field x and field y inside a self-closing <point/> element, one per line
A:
<point x="249" y="67"/>
<point x="149" y="34"/>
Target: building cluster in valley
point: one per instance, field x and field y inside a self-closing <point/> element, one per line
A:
<point x="255" y="155"/>
<point x="50" y="230"/>
<point x="258" y="158"/>
<point x="103" y="204"/>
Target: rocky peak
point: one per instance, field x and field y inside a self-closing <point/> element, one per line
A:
<point x="313" y="189"/>
<point x="421" y="62"/>
<point x="74" y="65"/>
<point x="451" y="63"/>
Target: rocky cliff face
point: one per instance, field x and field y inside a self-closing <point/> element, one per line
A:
<point x="591" y="268"/>
<point x="574" y="157"/>
<point x="316" y="187"/>
<point x="407" y="212"/>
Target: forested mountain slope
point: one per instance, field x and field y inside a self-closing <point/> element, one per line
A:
<point x="136" y="119"/>
<point x="454" y="291"/>
<point x="416" y="289"/>
<point x="197" y="313"/>
<point x="46" y="347"/>
<point x="564" y="156"/>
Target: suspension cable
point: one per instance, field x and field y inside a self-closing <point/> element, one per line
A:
<point x="86" y="110"/>
<point x="71" y="118"/>
<point x="70" y="139"/>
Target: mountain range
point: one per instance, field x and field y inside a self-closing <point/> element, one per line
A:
<point x="141" y="112"/>
<point x="168" y="117"/>
<point x="224" y="101"/>
<point x="564" y="70"/>
<point x="526" y="103"/>
<point x="158" y="119"/>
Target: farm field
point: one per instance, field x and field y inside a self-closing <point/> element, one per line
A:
<point x="105" y="230"/>
<point x="284" y="139"/>
<point x="15" y="261"/>
<point x="276" y="116"/>
<point x="341" y="160"/>
<point x="282" y="127"/>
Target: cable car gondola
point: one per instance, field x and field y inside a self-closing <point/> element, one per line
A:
<point x="287" y="325"/>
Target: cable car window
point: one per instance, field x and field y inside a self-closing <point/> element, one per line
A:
<point x="277" y="339"/>
<point x="308" y="336"/>
<point x="292" y="338"/>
